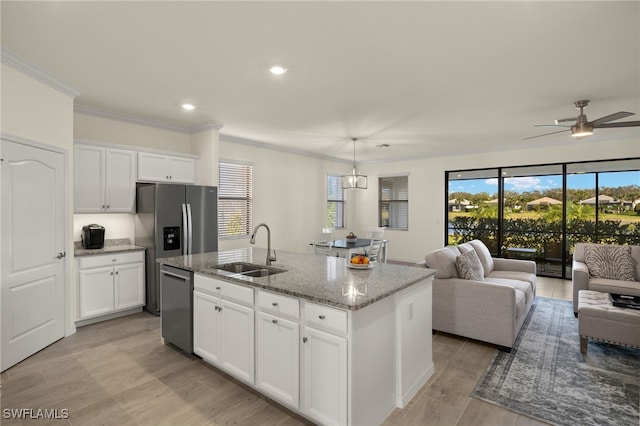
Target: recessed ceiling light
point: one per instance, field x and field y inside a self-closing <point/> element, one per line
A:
<point x="188" y="107"/>
<point x="278" y="70"/>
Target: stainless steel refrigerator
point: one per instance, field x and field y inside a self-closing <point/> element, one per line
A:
<point x="173" y="220"/>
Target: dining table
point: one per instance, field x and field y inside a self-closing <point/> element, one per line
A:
<point x="346" y="247"/>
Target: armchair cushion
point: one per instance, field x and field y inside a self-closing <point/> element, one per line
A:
<point x="609" y="262"/>
<point x="469" y="266"/>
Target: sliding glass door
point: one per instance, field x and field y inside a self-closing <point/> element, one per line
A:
<point x="539" y="212"/>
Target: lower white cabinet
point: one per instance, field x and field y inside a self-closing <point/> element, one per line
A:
<point x="223" y="330"/>
<point x="325" y="377"/>
<point x="333" y="366"/>
<point x="278" y="358"/>
<point x="110" y="283"/>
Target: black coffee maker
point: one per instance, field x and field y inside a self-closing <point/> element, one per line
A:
<point x="92" y="236"/>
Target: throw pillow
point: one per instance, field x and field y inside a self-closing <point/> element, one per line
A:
<point x="469" y="266"/>
<point x="609" y="261"/>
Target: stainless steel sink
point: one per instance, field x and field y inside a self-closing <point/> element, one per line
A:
<point x="249" y="269"/>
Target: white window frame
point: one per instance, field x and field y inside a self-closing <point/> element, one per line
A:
<point x="396" y="202"/>
<point x="240" y="192"/>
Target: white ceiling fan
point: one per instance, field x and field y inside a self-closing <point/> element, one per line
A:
<point x="580" y="127"/>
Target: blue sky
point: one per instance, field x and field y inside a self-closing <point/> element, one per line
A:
<point x="541" y="183"/>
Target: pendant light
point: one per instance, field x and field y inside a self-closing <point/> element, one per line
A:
<point x="354" y="180"/>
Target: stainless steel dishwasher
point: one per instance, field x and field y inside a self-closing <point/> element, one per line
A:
<point x="176" y="298"/>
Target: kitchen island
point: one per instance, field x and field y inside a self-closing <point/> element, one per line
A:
<point x="336" y="344"/>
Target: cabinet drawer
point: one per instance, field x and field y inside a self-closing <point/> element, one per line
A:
<point x="325" y="317"/>
<point x="110" y="259"/>
<point x="223" y="289"/>
<point x="278" y="304"/>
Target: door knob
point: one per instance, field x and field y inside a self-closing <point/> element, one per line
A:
<point x="61" y="255"/>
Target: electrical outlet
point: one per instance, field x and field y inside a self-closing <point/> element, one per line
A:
<point x="410" y="309"/>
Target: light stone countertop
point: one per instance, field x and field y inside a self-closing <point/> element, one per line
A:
<point x="119" y="245"/>
<point x="322" y="279"/>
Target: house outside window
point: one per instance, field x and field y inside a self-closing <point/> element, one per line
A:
<point x="335" y="202"/>
<point x="393" y="202"/>
<point x="235" y="199"/>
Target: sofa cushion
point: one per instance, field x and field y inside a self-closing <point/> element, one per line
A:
<point x="465" y="247"/>
<point x="513" y="275"/>
<point x="603" y="285"/>
<point x="444" y="261"/>
<point x="523" y="286"/>
<point x="484" y="254"/>
<point x="609" y="262"/>
<point x="469" y="266"/>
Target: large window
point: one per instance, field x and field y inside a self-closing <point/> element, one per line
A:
<point x="335" y="202"/>
<point x="539" y="212"/>
<point x="393" y="202"/>
<point x="235" y="191"/>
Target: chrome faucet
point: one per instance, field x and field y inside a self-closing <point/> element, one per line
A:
<point x="253" y="241"/>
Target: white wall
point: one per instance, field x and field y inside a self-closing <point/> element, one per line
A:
<point x="94" y="128"/>
<point x="289" y="195"/>
<point x="39" y="113"/>
<point x="427" y="181"/>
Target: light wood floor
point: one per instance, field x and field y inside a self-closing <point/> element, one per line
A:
<point x="118" y="373"/>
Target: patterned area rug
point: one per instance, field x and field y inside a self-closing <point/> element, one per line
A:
<point x="546" y="377"/>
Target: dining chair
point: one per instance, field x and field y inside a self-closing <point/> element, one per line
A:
<point x="376" y="233"/>
<point x="323" y="243"/>
<point x="329" y="231"/>
<point x="373" y="250"/>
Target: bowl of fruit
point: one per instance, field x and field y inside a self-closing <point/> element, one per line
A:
<point x="360" y="261"/>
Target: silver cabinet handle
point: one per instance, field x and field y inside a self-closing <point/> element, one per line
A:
<point x="275" y="321"/>
<point x="218" y="288"/>
<point x="304" y="340"/>
<point x="275" y="303"/>
<point x="322" y="317"/>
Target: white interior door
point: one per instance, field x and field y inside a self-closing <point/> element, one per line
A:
<point x="33" y="249"/>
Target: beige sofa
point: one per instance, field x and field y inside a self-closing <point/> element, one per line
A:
<point x="490" y="307"/>
<point x="613" y="278"/>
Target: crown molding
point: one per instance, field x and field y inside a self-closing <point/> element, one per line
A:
<point x="83" y="109"/>
<point x="249" y="142"/>
<point x="206" y="126"/>
<point x="14" y="61"/>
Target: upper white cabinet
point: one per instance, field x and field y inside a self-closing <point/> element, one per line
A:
<point x="104" y="180"/>
<point x="166" y="168"/>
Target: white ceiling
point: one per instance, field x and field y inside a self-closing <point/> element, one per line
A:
<point x="428" y="78"/>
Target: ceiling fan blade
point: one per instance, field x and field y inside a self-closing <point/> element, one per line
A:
<point x="621" y="124"/>
<point x="553" y="125"/>
<point x="546" y="134"/>
<point x="616" y="116"/>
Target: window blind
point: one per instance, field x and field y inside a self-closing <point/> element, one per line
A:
<point x="393" y="202"/>
<point x="335" y="202"/>
<point x="235" y="192"/>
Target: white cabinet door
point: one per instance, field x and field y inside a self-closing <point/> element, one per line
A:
<point x="96" y="292"/>
<point x="152" y="167"/>
<point x="166" y="168"/>
<point x="129" y="285"/>
<point x="278" y="360"/>
<point x="89" y="179"/>
<point x="206" y="326"/>
<point x="325" y="377"/>
<point x="120" y="181"/>
<point x="182" y="170"/>
<point x="237" y="340"/>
